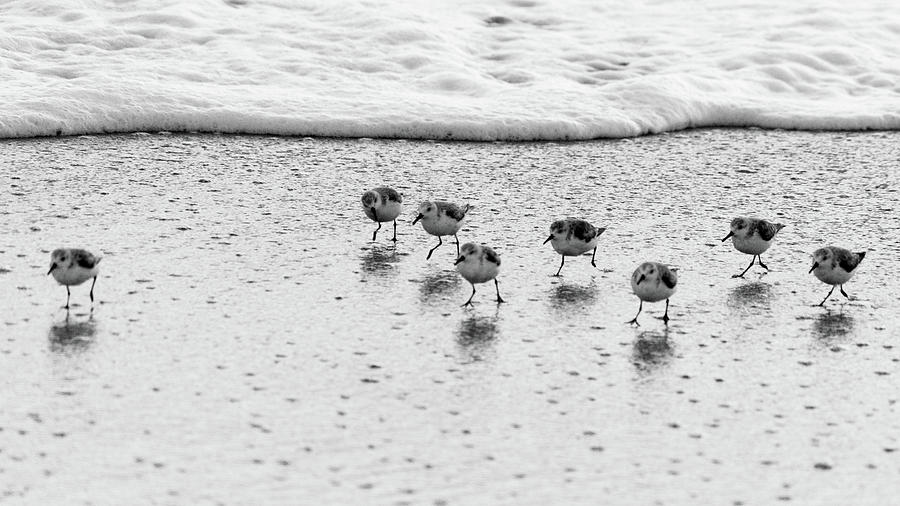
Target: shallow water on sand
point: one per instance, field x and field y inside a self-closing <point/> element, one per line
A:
<point x="251" y="344"/>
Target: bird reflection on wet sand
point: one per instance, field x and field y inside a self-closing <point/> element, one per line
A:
<point x="379" y="259"/>
<point x="476" y="336"/>
<point x="652" y="350"/>
<point x="72" y="336"/>
<point x="438" y="283"/>
<point x="832" y="325"/>
<point x="749" y="296"/>
<point x="564" y="295"/>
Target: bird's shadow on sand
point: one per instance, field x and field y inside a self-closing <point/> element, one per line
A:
<point x="832" y="325"/>
<point x="652" y="350"/>
<point x="476" y="335"/>
<point x="439" y="283"/>
<point x="566" y="295"/>
<point x="754" y="295"/>
<point x="379" y="259"/>
<point x="72" y="335"/>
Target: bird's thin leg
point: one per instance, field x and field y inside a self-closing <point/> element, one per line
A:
<point x="395" y="231"/>
<point x="375" y="233"/>
<point x="665" y="317"/>
<point x="68" y="294"/>
<point x="92" y="289"/>
<point x="844" y="293"/>
<point x="497" y="286"/>
<point x="469" y="302"/>
<point x="593" y="256"/>
<point x="457" y="245"/>
<point x="826" y="297"/>
<point x="745" y="270"/>
<point x="434" y="248"/>
<point x="561" y="265"/>
<point x="634" y="321"/>
<point x="760" y="262"/>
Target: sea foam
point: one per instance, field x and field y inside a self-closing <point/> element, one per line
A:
<point x="469" y="70"/>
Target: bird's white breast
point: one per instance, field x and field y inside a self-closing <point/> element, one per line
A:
<point x="476" y="271"/>
<point x="652" y="290"/>
<point x="835" y="276"/>
<point x="441" y="225"/>
<point x="751" y="245"/>
<point x="389" y="211"/>
<point x="572" y="247"/>
<point x="74" y="275"/>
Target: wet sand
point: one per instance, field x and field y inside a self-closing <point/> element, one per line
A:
<point x="251" y="345"/>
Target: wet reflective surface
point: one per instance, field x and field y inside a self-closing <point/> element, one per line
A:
<point x="250" y="343"/>
<point x="72" y="334"/>
<point x="652" y="350"/>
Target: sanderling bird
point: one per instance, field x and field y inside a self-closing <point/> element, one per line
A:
<point x="653" y="282"/>
<point x="835" y="266"/>
<point x="441" y="218"/>
<point x="573" y="237"/>
<point x="381" y="205"/>
<point x="752" y="236"/>
<point x="71" y="267"/>
<point x="478" y="264"/>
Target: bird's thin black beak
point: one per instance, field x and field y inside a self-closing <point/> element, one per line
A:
<point x="419" y="217"/>
<point x="374" y="213"/>
<point x="549" y="239"/>
<point x="727" y="236"/>
<point x="52" y="267"/>
<point x="641" y="279"/>
<point x="458" y="260"/>
<point x="815" y="264"/>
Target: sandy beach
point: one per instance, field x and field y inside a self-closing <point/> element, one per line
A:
<point x="250" y="344"/>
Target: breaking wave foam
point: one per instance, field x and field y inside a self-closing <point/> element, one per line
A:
<point x="496" y="70"/>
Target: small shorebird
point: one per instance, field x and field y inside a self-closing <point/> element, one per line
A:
<point x="71" y="267"/>
<point x="478" y="264"/>
<point x="835" y="266"/>
<point x="381" y="205"/>
<point x="441" y="218"/>
<point x="653" y="282"/>
<point x="752" y="236"/>
<point x="573" y="237"/>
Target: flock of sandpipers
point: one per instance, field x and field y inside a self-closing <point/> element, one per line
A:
<point x="651" y="281"/>
<point x="477" y="263"/>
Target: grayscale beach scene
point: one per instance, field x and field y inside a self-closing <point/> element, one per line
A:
<point x="645" y="253"/>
